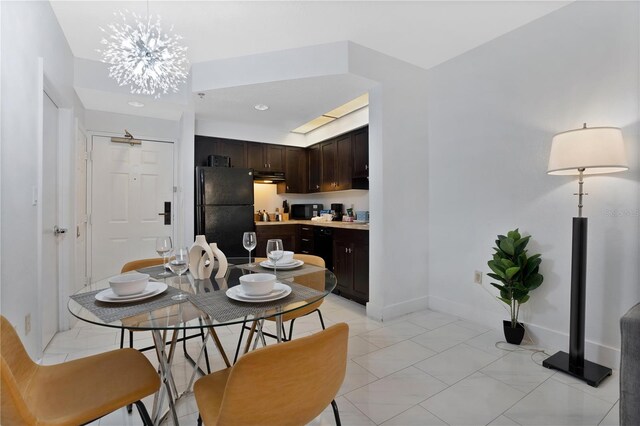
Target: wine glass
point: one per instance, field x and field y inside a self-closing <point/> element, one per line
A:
<point x="179" y="264"/>
<point x="275" y="253"/>
<point x="249" y="242"/>
<point x="163" y="246"/>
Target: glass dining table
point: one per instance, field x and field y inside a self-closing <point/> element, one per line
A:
<point x="201" y="305"/>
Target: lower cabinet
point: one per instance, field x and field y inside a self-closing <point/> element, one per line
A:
<point x="351" y="264"/>
<point x="289" y="234"/>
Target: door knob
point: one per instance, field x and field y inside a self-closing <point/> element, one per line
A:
<point x="57" y="230"/>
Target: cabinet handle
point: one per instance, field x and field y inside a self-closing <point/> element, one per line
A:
<point x="306" y="239"/>
<point x="265" y="165"/>
<point x="287" y="187"/>
<point x="317" y="186"/>
<point x="366" y="167"/>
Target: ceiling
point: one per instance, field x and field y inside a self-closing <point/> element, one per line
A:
<point x="423" y="33"/>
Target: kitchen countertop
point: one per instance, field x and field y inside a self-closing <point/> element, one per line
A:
<point x="343" y="225"/>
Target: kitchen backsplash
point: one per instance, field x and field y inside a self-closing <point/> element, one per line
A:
<point x="266" y="198"/>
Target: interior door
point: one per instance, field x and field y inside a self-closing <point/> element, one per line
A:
<point x="49" y="285"/>
<point x="130" y="186"/>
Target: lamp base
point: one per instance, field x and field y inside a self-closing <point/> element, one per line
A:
<point x="593" y="374"/>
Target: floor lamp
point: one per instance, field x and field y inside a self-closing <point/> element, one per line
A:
<point x="581" y="152"/>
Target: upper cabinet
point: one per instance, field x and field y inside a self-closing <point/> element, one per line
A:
<point x="265" y="157"/>
<point x="295" y="171"/>
<point x="234" y="149"/>
<point x="336" y="164"/>
<point x="315" y="168"/>
<point x="360" y="144"/>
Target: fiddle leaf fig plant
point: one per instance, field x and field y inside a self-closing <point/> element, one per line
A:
<point x="516" y="271"/>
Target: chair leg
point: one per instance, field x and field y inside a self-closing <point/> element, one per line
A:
<point x="336" y="414"/>
<point x="121" y="338"/>
<point x="144" y="414"/>
<point x="129" y="407"/>
<point x="291" y="329"/>
<point x="321" y="320"/>
<point x="199" y="420"/>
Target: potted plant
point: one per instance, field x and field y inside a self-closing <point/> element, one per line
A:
<point x="518" y="275"/>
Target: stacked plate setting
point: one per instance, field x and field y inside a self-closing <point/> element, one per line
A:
<point x="284" y="265"/>
<point x="279" y="291"/>
<point x="127" y="288"/>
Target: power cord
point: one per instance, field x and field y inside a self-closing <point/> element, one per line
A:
<point x="533" y="351"/>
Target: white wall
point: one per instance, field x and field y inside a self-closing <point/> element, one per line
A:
<point x="30" y="31"/>
<point x="492" y="114"/>
<point x="100" y="122"/>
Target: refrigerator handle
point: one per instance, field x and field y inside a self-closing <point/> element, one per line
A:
<point x="200" y="187"/>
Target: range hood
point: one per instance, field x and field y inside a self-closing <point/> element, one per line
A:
<point x="267" y="177"/>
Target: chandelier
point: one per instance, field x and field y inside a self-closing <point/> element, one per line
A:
<point x="142" y="56"/>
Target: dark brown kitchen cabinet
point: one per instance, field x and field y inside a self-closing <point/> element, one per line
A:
<point x="351" y="263"/>
<point x="265" y="157"/>
<point x="360" y="143"/>
<point x="306" y="239"/>
<point x="337" y="163"/>
<point x="328" y="157"/>
<point x="294" y="171"/>
<point x="315" y="168"/>
<point x="205" y="146"/>
<point x="289" y="234"/>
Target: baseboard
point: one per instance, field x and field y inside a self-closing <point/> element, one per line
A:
<point x="551" y="340"/>
<point x="386" y="313"/>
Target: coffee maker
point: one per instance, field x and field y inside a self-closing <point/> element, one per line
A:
<point x="336" y="209"/>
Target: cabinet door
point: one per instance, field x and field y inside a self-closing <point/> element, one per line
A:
<point x="295" y="166"/>
<point x="314" y="169"/>
<point x="343" y="266"/>
<point x="289" y="234"/>
<point x="255" y="156"/>
<point x="328" y="154"/>
<point x="274" y="157"/>
<point x="236" y="150"/>
<point x="344" y="162"/>
<point x="360" y="258"/>
<point x="204" y="146"/>
<point x="360" y="143"/>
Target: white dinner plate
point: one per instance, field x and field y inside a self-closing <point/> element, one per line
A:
<point x="294" y="264"/>
<point x="235" y="294"/>
<point x="153" y="289"/>
<point x="278" y="288"/>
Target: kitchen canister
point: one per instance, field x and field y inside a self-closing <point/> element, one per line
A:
<point x="199" y="253"/>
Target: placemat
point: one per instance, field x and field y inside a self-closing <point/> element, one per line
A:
<point x="222" y="309"/>
<point x="109" y="312"/>
<point x="156" y="271"/>
<point x="283" y="274"/>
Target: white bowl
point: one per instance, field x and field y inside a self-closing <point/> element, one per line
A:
<point x="287" y="257"/>
<point x="257" y="284"/>
<point x="127" y="284"/>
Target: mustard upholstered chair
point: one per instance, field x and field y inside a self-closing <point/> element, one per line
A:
<point x="286" y="384"/>
<point x="74" y="392"/>
<point x="133" y="266"/>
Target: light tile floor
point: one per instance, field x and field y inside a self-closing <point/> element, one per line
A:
<point x="426" y="368"/>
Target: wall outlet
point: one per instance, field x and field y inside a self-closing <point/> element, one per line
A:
<point x="477" y="277"/>
<point x="27" y="324"/>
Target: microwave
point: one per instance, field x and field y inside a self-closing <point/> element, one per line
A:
<point x="305" y="211"/>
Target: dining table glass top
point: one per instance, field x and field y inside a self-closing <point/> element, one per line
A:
<point x="206" y="299"/>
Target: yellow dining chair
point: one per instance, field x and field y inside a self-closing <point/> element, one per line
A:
<point x="286" y="384"/>
<point x="74" y="392"/>
<point x="314" y="280"/>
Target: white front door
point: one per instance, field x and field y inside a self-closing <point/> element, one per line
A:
<point x="49" y="285"/>
<point x="130" y="185"/>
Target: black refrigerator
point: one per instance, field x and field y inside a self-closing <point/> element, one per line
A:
<point x="224" y="207"/>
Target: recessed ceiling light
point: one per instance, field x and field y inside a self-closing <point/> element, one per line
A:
<point x="261" y="107"/>
<point x="136" y="104"/>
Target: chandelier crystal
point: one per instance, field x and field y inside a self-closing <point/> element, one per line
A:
<point x="142" y="56"/>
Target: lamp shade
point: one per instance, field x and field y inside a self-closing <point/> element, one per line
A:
<point x="595" y="149"/>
